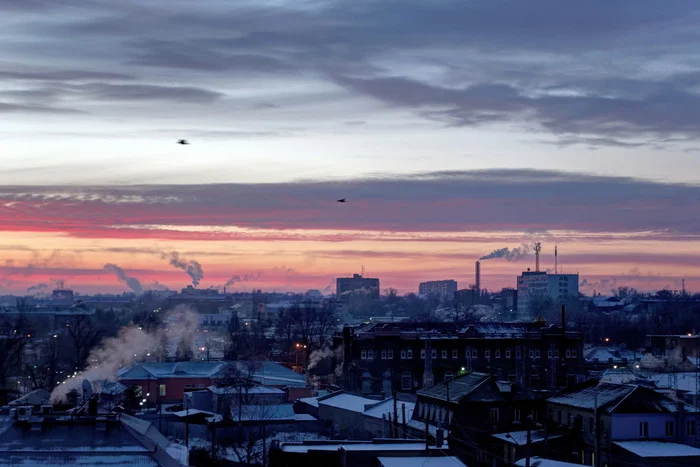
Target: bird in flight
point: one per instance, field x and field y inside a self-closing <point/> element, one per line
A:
<point x="183" y="141"/>
<point x="342" y="200"/>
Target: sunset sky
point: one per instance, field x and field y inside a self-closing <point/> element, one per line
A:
<point x="453" y="128"/>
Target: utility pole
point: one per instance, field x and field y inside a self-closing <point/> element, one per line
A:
<point x="529" y="440"/>
<point x="596" y="454"/>
<point x="395" y="426"/>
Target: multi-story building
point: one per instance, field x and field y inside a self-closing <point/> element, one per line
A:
<point x="381" y="357"/>
<point x="445" y="289"/>
<point x="611" y="424"/>
<point x="357" y="282"/>
<point x="538" y="285"/>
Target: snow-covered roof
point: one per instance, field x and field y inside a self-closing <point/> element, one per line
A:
<point x="682" y="381"/>
<point x="619" y="376"/>
<point x="519" y="438"/>
<point x="312" y="401"/>
<point x="386" y="407"/>
<point x="540" y="462"/>
<point x="602" y="394"/>
<point x="422" y="461"/>
<point x="253" y="390"/>
<point x="348" y="402"/>
<point x="162" y="370"/>
<point x="658" y="449"/>
<point x="210" y="416"/>
<point x="457" y="388"/>
<point x="603" y="354"/>
<point x="353" y="446"/>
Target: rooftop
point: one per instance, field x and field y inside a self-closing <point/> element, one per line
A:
<point x="658" y="449"/>
<point x="346" y="401"/>
<point x="444" y="461"/>
<point x="457" y="388"/>
<point x="376" y="445"/>
<point x="519" y="438"/>
<point x="540" y="462"/>
<point x="162" y="370"/>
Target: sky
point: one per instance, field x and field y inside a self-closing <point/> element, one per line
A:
<point x="453" y="128"/>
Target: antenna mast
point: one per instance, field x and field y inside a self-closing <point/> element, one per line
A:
<point x="556" y="260"/>
<point x="538" y="249"/>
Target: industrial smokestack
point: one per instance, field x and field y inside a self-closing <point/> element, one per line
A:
<point x="556" y="260"/>
<point x="538" y="249"/>
<point x="477" y="280"/>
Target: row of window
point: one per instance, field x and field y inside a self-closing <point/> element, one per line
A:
<point x="670" y="427"/>
<point x="388" y="354"/>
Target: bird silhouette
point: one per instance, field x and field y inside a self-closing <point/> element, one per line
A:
<point x="183" y="141"/>
<point x="342" y="200"/>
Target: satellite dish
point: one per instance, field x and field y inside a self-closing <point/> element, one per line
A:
<point x="87" y="390"/>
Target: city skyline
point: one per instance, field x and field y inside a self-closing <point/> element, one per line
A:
<point x="450" y="137"/>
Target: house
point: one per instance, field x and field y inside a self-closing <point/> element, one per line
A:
<point x="57" y="440"/>
<point x="657" y="453"/>
<point x="420" y="461"/>
<point x="516" y="444"/>
<point x="166" y="381"/>
<point x="223" y="398"/>
<point x="598" y="415"/>
<point x="475" y="406"/>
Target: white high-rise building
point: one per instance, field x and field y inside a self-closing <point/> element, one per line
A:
<point x="558" y="287"/>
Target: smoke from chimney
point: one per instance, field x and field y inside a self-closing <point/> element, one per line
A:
<point x="191" y="268"/>
<point x="131" y="282"/>
<point x="244" y="278"/>
<point x="509" y="255"/>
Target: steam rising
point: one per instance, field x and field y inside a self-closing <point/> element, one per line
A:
<point x="131" y="345"/>
<point x="509" y="255"/>
<point x="37" y="288"/>
<point x="192" y="268"/>
<point x="243" y="278"/>
<point x="317" y="356"/>
<point x="131" y="282"/>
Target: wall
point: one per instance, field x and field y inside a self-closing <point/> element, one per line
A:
<point x="175" y="387"/>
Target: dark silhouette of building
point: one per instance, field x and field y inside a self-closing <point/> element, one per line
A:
<point x="445" y="290"/>
<point x="356" y="283"/>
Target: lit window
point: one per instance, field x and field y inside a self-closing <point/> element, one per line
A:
<point x="403" y="354"/>
<point x="433" y="354"/>
<point x="162" y="390"/>
<point x="444" y="353"/>
<point x="454" y="353"/>
<point x="390" y="354"/>
<point x="409" y="353"/>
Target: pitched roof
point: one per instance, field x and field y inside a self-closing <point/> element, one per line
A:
<point x="163" y="370"/>
<point x="658" y="449"/>
<point x="421" y="461"/>
<point x="457" y="388"/>
<point x="346" y="401"/>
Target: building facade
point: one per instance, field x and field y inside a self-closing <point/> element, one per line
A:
<point x="357" y="282"/>
<point x="538" y="285"/>
<point x="382" y="357"/>
<point x="444" y="289"/>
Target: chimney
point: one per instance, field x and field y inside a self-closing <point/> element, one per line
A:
<point x="477" y="281"/>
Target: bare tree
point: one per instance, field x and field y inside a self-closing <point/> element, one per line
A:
<point x="83" y="336"/>
<point x="13" y="339"/>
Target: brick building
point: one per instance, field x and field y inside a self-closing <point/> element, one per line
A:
<point x="381" y="357"/>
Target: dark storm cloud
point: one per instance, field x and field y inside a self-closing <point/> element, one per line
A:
<point x="488" y="200"/>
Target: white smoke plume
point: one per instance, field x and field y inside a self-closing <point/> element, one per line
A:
<point x="131" y="282"/>
<point x="192" y="268"/>
<point x="37" y="288"/>
<point x="114" y="353"/>
<point x="132" y="345"/>
<point x="243" y="278"/>
<point x="509" y="255"/>
<point x="317" y="356"/>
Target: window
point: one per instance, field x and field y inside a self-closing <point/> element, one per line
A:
<point x="574" y="353"/>
<point x="403" y="354"/>
<point x="556" y="353"/>
<point x="690" y="428"/>
<point x="390" y="353"/>
<point x="162" y="390"/>
<point x="498" y="353"/>
<point x="474" y="353"/>
<point x="568" y="353"/>
<point x="422" y="353"/>
<point x="518" y="353"/>
<point x="537" y="353"/>
<point x="370" y="354"/>
<point x="363" y="355"/>
<point x="433" y="354"/>
<point x="591" y="425"/>
<point x="444" y="353"/>
<point x="449" y="375"/>
<point x="493" y="415"/>
<point x="409" y="353"/>
<point x="532" y="353"/>
<point x="507" y="353"/>
<point x="644" y="429"/>
<point x="569" y="419"/>
<point x="406" y="381"/>
<point x="516" y="415"/>
<point x="670" y="429"/>
<point x="454" y="353"/>
<point x="487" y="353"/>
<point x="383" y="354"/>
